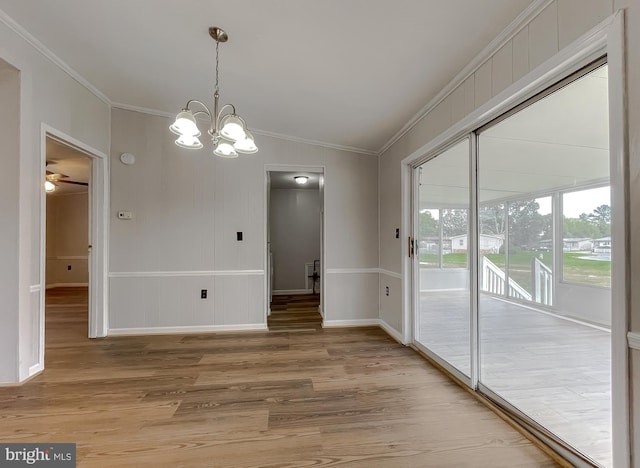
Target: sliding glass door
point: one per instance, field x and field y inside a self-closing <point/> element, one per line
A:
<point x="442" y="247"/>
<point x="545" y="321"/>
<point x="520" y="306"/>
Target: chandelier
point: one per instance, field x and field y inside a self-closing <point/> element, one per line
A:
<point x="228" y="131"/>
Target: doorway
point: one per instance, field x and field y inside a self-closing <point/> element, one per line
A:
<point x="294" y="248"/>
<point x="74" y="230"/>
<point x="67" y="184"/>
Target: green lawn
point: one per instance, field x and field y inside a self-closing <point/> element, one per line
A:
<point x="576" y="269"/>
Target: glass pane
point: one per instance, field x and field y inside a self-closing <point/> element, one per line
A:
<point x="443" y="239"/>
<point x="544" y="339"/>
<point x="586" y="227"/>
<point x="530" y="250"/>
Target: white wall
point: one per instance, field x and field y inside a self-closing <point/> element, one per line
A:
<point x="67" y="239"/>
<point x="188" y="206"/>
<point x="9" y="131"/>
<point x="49" y="96"/>
<point x="295" y="236"/>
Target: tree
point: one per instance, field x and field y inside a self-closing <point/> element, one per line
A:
<point x="579" y="227"/>
<point x="428" y="226"/>
<point x="455" y="222"/>
<point x="526" y="225"/>
<point x="601" y="217"/>
<point x="492" y="220"/>
<point x="601" y="214"/>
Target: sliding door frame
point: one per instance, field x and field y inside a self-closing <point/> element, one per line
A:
<point x="605" y="40"/>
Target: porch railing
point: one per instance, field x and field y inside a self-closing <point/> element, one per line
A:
<point x="494" y="281"/>
<point x="542" y="281"/>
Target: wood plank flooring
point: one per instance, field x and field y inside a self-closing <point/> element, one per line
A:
<point x="295" y="313"/>
<point x="326" y="397"/>
<point x="556" y="371"/>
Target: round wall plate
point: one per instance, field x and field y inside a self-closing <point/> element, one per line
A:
<point x="127" y="158"/>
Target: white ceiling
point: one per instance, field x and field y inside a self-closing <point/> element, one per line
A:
<point x="349" y="73"/>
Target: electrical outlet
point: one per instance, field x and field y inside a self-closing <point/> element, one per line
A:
<point x="397" y="233"/>
<point x="386" y="291"/>
<point x="239" y="235"/>
<point x="203" y="294"/>
<point x="68" y="267"/>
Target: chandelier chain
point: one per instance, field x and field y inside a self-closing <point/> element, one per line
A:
<point x="217" y="62"/>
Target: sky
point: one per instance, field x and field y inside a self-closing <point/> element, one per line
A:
<point x="576" y="203"/>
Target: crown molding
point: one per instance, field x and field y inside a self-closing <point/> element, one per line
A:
<point x="47" y="53"/>
<point x="521" y="21"/>
<point x="324" y="144"/>
<point x="142" y="110"/>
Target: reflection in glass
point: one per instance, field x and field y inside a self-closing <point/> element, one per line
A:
<point x="443" y="242"/>
<point x="544" y="334"/>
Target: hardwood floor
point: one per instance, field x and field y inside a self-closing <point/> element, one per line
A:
<point x="326" y="397"/>
<point x="556" y="371"/>
<point x="295" y="313"/>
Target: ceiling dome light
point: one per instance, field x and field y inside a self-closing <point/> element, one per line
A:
<point x="188" y="142"/>
<point x="247" y="145"/>
<point x="301" y="180"/>
<point x="225" y="150"/>
<point x="185" y="124"/>
<point x="232" y="128"/>
<point x="49" y="186"/>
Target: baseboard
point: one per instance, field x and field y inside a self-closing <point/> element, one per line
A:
<point x="291" y="292"/>
<point x="186" y="329"/>
<point x="351" y="323"/>
<point x="633" y="340"/>
<point x="67" y="285"/>
<point x="392" y="332"/>
<point x="35" y="369"/>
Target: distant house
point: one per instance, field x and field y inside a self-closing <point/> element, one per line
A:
<point x="488" y="243"/>
<point x="577" y="244"/>
<point x="431" y="245"/>
<point x="602" y="245"/>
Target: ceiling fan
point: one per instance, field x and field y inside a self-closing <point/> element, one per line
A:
<point x="55" y="178"/>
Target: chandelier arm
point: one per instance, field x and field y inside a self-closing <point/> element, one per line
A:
<point x="208" y="112"/>
<point x="222" y="109"/>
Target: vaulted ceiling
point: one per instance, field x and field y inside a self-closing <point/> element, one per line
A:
<point x="347" y="73"/>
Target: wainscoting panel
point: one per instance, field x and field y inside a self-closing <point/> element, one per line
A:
<point x="391" y="300"/>
<point x="351" y="294"/>
<point x="151" y="302"/>
<point x="239" y="300"/>
<point x="67" y="270"/>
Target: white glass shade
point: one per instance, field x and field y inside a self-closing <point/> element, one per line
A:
<point x="49" y="186"/>
<point x="185" y="124"/>
<point x="247" y="145"/>
<point x="301" y="180"/>
<point x="188" y="142"/>
<point x="225" y="150"/>
<point x="232" y="128"/>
